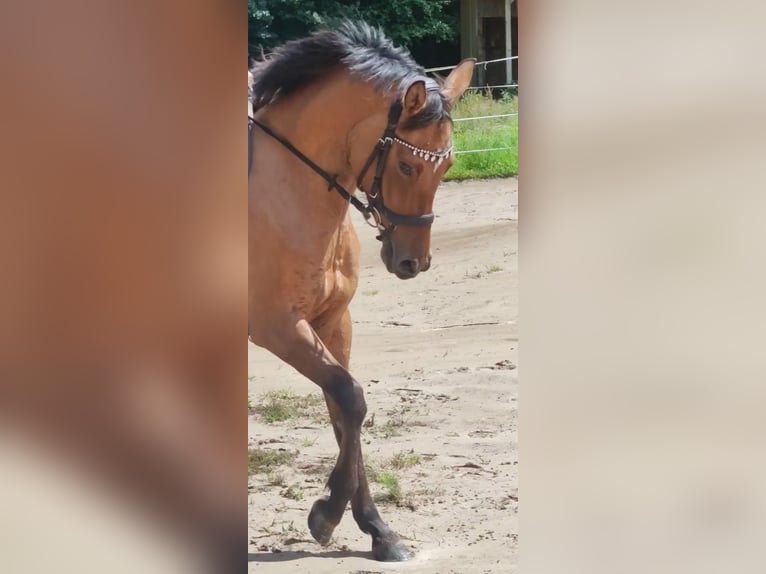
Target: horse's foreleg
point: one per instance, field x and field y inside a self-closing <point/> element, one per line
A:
<point x="386" y="545"/>
<point x="301" y="347"/>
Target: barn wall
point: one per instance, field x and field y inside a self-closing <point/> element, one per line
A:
<point x="472" y="40"/>
<point x="474" y="44"/>
<point x="492" y="9"/>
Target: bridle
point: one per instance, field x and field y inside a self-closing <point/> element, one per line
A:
<point x="376" y="208"/>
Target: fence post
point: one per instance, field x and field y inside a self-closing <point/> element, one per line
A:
<point x="509" y="79"/>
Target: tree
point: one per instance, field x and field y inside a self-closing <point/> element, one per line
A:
<point x="406" y="22"/>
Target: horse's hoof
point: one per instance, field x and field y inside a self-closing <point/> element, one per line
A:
<point x="390" y="550"/>
<point x="321" y="528"/>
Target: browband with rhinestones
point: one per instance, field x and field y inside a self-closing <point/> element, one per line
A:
<point x="428" y="155"/>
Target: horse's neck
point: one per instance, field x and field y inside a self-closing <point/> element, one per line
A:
<point x="319" y="120"/>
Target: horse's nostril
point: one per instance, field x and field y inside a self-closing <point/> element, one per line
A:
<point x="409" y="267"/>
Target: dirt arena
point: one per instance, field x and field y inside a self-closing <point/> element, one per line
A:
<point x="437" y="356"/>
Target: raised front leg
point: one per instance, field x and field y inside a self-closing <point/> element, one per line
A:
<point x="386" y="544"/>
<point x="301" y="347"/>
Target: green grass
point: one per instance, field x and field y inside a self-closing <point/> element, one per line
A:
<point x="482" y="134"/>
<point x="392" y="491"/>
<point x="405" y="459"/>
<point x="261" y="460"/>
<point x="280" y="406"/>
<point x="293" y="492"/>
<point x="276" y="479"/>
<point x="487" y="271"/>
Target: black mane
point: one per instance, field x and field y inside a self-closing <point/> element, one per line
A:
<point x="361" y="49"/>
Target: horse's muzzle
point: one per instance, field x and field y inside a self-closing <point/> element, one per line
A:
<point x="409" y="268"/>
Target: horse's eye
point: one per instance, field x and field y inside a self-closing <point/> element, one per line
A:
<point x="404" y="168"/>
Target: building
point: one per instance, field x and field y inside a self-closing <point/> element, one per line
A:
<point x="489" y="31"/>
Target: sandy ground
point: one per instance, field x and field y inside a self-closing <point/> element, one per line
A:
<point x="437" y="356"/>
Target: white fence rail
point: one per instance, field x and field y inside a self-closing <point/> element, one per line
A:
<point x="492" y="86"/>
<point x="485" y="117"/>
<point x="482" y="150"/>
<point x="484" y="63"/>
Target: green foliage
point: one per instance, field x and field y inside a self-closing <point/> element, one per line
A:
<point x="272" y="22"/>
<point x="259" y="23"/>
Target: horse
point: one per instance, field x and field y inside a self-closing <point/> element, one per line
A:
<point x="340" y="111"/>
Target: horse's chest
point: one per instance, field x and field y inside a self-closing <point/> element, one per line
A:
<point x="334" y="284"/>
<point x="335" y="288"/>
<point x="328" y="286"/>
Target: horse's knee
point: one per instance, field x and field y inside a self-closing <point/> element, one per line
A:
<point x="348" y="394"/>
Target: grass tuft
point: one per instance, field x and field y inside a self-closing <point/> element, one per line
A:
<point x="262" y="460"/>
<point x="392" y="489"/>
<point x="402" y="460"/>
<point x="280" y="406"/>
<point x="293" y="492"/>
<point x="276" y="479"/>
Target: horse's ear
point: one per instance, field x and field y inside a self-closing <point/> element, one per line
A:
<point x="458" y="80"/>
<point x="415" y="98"/>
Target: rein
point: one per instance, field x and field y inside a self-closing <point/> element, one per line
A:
<point x="375" y="208"/>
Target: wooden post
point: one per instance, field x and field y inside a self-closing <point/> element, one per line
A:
<point x="509" y="79"/>
<point x="469" y="16"/>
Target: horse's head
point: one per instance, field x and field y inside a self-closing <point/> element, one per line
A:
<point x="418" y="158"/>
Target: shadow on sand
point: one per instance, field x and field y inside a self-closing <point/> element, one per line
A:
<point x="297" y="555"/>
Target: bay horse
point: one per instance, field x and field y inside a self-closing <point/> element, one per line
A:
<point x="339" y="111"/>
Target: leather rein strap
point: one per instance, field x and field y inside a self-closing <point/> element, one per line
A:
<point x="375" y="207"/>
